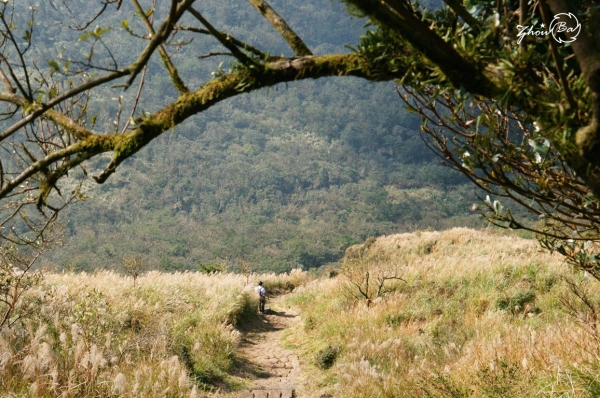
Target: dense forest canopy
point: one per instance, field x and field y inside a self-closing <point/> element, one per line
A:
<point x="521" y="113"/>
<point x="276" y="185"/>
<point x="286" y="178"/>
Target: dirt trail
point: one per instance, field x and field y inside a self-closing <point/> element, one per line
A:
<point x="273" y="369"/>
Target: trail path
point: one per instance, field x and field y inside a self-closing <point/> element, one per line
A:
<point x="274" y="369"/>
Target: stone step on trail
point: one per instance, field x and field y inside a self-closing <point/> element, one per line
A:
<point x="288" y="393"/>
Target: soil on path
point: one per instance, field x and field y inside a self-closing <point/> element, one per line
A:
<point x="272" y="368"/>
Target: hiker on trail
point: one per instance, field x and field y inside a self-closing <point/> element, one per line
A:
<point x="262" y="297"/>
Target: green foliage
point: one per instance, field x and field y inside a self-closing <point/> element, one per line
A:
<point x="244" y="309"/>
<point x="516" y="302"/>
<point x="588" y="379"/>
<point x="289" y="177"/>
<point x="352" y="171"/>
<point x="210" y="268"/>
<point x="502" y="380"/>
<point x="440" y="385"/>
<point x="254" y="190"/>
<point x="325" y="358"/>
<point x="309" y="322"/>
<point x="93" y="314"/>
<point x="209" y="366"/>
<point x="498" y="380"/>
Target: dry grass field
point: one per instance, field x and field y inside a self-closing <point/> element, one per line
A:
<point x="474" y="314"/>
<point x="98" y="335"/>
<point x="459" y="313"/>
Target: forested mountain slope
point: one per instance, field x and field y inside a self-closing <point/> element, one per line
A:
<point x="283" y="178"/>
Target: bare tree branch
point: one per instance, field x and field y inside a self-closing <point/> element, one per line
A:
<point x="293" y="40"/>
<point x="231" y="39"/>
<point x="177" y="82"/>
<point x="243" y="58"/>
<point x="177" y="10"/>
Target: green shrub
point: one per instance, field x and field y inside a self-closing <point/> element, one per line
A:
<point x="211" y="268"/>
<point x="501" y="381"/>
<point x="517" y="301"/>
<point x="326" y="357"/>
<point x="309" y="323"/>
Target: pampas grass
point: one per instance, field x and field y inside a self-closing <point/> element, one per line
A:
<point x="478" y="314"/>
<point x="470" y="314"/>
<point x="101" y="335"/>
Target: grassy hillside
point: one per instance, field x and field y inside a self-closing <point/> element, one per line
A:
<point x="463" y="313"/>
<point x="475" y="315"/>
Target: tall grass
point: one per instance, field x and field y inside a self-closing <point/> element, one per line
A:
<point x="98" y="335"/>
<point x="476" y="315"/>
<point x="461" y="313"/>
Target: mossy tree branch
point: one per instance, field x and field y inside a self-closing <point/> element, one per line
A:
<point x="233" y="84"/>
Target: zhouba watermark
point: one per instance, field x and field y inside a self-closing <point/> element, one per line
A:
<point x="564" y="28"/>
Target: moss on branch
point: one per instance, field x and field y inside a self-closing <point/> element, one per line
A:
<point x="243" y="81"/>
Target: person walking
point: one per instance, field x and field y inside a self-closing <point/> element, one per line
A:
<point x="262" y="297"/>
